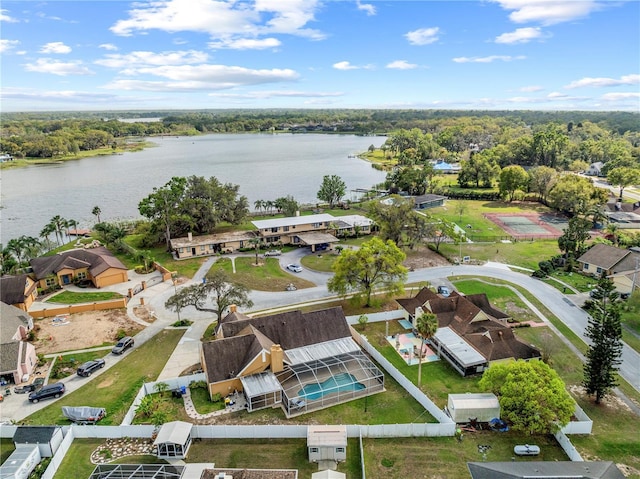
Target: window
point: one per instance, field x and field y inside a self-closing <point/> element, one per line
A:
<point x="599" y="270"/>
<point x="316" y="225"/>
<point x="285" y="228"/>
<point x="585" y="266"/>
<point x="51" y="282"/>
<point x="274" y="230"/>
<point x="81" y="275"/>
<point x="339" y="449"/>
<point x="313" y="449"/>
<point x="212" y="247"/>
<point x="201" y="247"/>
<point x="180" y="250"/>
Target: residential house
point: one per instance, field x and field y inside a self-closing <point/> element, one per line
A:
<point x="545" y="470"/>
<point x="471" y="334"/>
<point x="19" y="291"/>
<point x="97" y="265"/>
<point x="207" y="245"/>
<point x="623" y="215"/>
<point x="300" y="361"/>
<point x="18" y="357"/>
<point x="443" y="167"/>
<point x="311" y="230"/>
<point x="595" y="169"/>
<point x="622" y="266"/>
<point x="428" y="201"/>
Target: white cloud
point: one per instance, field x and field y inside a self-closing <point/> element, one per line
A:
<point x="548" y="12"/>
<point x="222" y="19"/>
<point x="6" y="45"/>
<point x="202" y="77"/>
<point x="367" y="8"/>
<point x="64" y="95"/>
<point x="108" y="46"/>
<point x="489" y="59"/>
<point x="261" y="95"/>
<point x="139" y="59"/>
<point x="5" y="17"/>
<point x="620" y="96"/>
<point x="556" y="95"/>
<point x="531" y="88"/>
<point x="344" y="66"/>
<point x="55" y="67"/>
<point x="246" y="44"/>
<point x="633" y="79"/>
<point x="520" y="35"/>
<point x="401" y="65"/>
<point x="55" y="47"/>
<point x="423" y="36"/>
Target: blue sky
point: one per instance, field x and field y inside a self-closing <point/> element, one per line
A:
<point x="196" y="54"/>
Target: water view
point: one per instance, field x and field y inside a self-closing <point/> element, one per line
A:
<point x="265" y="166"/>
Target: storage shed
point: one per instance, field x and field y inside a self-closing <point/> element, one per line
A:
<point x="174" y="440"/>
<point x="480" y="406"/>
<point x="21" y="462"/>
<point x="327" y="443"/>
<point x="47" y="438"/>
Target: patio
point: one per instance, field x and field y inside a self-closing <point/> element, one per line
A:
<point x="407" y="345"/>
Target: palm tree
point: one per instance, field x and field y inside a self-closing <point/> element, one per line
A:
<point x="45" y="234"/>
<point x="427" y="326"/>
<point x="259" y="205"/>
<point x="58" y="224"/>
<point x="612" y="230"/>
<point x="256" y="243"/>
<point x="96" y="212"/>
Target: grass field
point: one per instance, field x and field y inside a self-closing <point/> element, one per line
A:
<point x="115" y="389"/>
<point x="70" y="297"/>
<point x="267" y="276"/>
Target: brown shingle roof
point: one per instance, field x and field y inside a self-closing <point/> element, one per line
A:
<point x="12" y="289"/>
<point x="603" y="256"/>
<point x="97" y="260"/>
<point x="225" y="358"/>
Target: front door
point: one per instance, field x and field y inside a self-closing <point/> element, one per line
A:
<point x="66" y="279"/>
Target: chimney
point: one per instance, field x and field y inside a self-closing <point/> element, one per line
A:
<point x="277" y="358"/>
<point x="297" y="212"/>
<point x="190" y="236"/>
<point x="233" y="308"/>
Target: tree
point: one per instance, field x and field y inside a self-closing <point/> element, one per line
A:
<point x="162" y="205"/>
<point x="375" y="264"/>
<point x="332" y="189"/>
<point x="575" y="195"/>
<point x="58" y="224"/>
<point x="441" y="230"/>
<point x="287" y="205"/>
<point x="624" y="176"/>
<point x="460" y="208"/>
<point x="532" y="396"/>
<point x="413" y="180"/>
<point x="392" y="216"/>
<point x="513" y="178"/>
<point x="427" y="327"/>
<point x="96" y="211"/>
<point x="571" y="243"/>
<point x="225" y="293"/>
<point x="479" y="169"/>
<point x="541" y="180"/>
<point x="605" y="332"/>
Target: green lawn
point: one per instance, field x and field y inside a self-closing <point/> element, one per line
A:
<point x="267" y="276"/>
<point x="69" y="363"/>
<point x="579" y="281"/>
<point x="115" y="389"/>
<point x="70" y="297"/>
<point x="526" y="254"/>
<point x="6" y="448"/>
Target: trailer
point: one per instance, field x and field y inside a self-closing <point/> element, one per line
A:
<point x="84" y="414"/>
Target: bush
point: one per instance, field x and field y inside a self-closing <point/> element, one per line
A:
<point x="121" y="334"/>
<point x="539" y="274"/>
<point x="198" y="385"/>
<point x="546" y="266"/>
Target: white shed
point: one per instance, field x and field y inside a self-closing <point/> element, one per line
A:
<point x="47" y="438"/>
<point x="327" y="443"/>
<point x="480" y="406"/>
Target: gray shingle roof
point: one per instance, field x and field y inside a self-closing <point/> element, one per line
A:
<point x="544" y="470"/>
<point x="11" y="318"/>
<point x="603" y="256"/>
<point x="34" y="434"/>
<point x="13" y="288"/>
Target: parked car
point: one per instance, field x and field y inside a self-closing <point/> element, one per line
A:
<point x="526" y="450"/>
<point x="273" y="252"/>
<point x="54" y="390"/>
<point x="296" y="268"/>
<point x="27" y="388"/>
<point x="124" y="344"/>
<point x="89" y="367"/>
<point x="444" y="291"/>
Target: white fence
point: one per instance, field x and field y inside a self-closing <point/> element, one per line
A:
<point x="568" y="448"/>
<point x="583" y="425"/>
<point x="175" y="383"/>
<point x="131" y="413"/>
<point x="383" y="316"/>
<point x="58" y="457"/>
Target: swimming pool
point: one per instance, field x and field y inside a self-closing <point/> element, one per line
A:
<point x="339" y="383"/>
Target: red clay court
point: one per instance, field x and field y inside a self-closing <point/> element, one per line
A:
<point x="529" y="225"/>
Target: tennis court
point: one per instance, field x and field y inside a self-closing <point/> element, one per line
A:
<point x="529" y="225"/>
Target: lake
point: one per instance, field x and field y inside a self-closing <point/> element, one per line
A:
<point x="266" y="166"/>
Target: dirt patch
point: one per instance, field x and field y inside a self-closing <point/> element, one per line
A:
<point x="610" y="401"/>
<point x="423" y="257"/>
<point x="145" y="313"/>
<point x="83" y="330"/>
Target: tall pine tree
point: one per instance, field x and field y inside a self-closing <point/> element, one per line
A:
<point x="605" y="332"/>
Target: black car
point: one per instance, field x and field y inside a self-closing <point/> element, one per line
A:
<point x="124" y="344"/>
<point x="49" y="391"/>
<point x="89" y="367"/>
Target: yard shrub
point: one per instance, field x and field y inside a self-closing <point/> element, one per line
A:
<point x="546" y="266"/>
<point x="198" y="385"/>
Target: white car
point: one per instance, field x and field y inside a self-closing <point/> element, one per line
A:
<point x="296" y="268"/>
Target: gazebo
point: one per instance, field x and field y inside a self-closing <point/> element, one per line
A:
<point x="174" y="440"/>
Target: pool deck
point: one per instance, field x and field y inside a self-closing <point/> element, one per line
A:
<point x="407" y="346"/>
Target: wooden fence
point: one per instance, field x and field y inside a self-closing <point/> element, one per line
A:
<point x="79" y="308"/>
